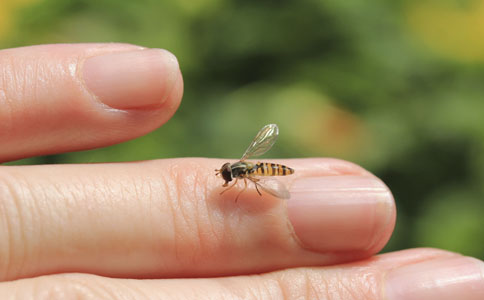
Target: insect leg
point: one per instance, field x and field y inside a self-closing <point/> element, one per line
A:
<point x="235" y="182"/>
<point x="257" y="189"/>
<point x="245" y="187"/>
<point x="254" y="180"/>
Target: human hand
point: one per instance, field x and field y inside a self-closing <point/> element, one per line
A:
<point x="99" y="230"/>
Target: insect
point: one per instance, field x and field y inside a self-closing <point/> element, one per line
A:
<point x="256" y="172"/>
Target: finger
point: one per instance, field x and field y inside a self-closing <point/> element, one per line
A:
<point x="57" y="98"/>
<point x="421" y="274"/>
<point x="167" y="219"/>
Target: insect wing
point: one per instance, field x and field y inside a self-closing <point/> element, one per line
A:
<point x="262" y="142"/>
<point x="274" y="187"/>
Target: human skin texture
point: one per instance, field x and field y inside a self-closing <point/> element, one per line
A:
<point x="161" y="229"/>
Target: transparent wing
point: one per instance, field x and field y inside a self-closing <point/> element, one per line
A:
<point x="262" y="142"/>
<point x="273" y="187"/>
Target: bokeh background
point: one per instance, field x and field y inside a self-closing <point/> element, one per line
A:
<point x="396" y="86"/>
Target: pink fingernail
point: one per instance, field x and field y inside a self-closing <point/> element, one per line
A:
<point x="341" y="213"/>
<point x="133" y="79"/>
<point x="459" y="278"/>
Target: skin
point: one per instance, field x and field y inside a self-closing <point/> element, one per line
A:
<point x="98" y="231"/>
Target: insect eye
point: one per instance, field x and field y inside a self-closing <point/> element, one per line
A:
<point x="227" y="174"/>
<point x="226" y="167"/>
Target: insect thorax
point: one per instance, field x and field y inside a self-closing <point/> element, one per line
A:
<point x="241" y="169"/>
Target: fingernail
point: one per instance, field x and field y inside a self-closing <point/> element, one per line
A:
<point x="134" y="79"/>
<point x="340" y="213"/>
<point x="441" y="279"/>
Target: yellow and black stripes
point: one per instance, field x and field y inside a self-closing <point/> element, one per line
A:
<point x="270" y="169"/>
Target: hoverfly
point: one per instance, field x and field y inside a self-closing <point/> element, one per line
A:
<point x="245" y="170"/>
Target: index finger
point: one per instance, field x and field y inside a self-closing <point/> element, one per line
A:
<point x="58" y="98"/>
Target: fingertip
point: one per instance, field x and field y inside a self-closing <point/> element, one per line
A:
<point x="341" y="213"/>
<point x="85" y="96"/>
<point x="440" y="279"/>
<point x="408" y="256"/>
<point x="384" y="222"/>
<point x="132" y="79"/>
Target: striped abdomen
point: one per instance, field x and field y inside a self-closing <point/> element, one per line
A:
<point x="270" y="169"/>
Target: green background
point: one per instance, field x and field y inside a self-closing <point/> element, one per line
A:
<point x="396" y="86"/>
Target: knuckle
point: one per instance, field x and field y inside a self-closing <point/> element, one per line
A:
<point x="71" y="286"/>
<point x="196" y="231"/>
<point x="6" y="112"/>
<point x="12" y="225"/>
<point x="26" y="77"/>
<point x="299" y="284"/>
<point x="18" y="72"/>
<point x="317" y="284"/>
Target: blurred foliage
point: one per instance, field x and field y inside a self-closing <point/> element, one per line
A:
<point x="396" y="86"/>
